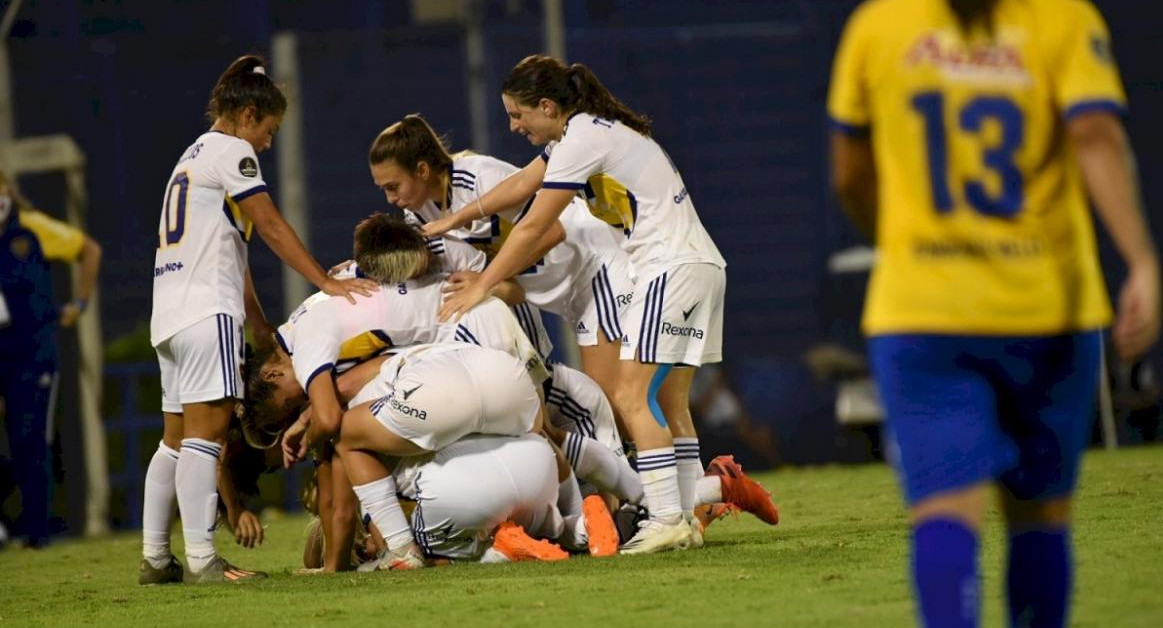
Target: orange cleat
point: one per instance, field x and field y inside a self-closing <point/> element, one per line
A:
<point x="709" y="513"/>
<point x="743" y="492"/>
<point x="512" y="541"/>
<point x="600" y="528"/>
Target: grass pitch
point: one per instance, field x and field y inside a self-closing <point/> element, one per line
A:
<point x="837" y="559"/>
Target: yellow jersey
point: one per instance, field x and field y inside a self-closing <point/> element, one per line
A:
<point x="983" y="225"/>
<point x="59" y="241"/>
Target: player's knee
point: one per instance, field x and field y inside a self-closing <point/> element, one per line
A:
<point x="1021" y="514"/>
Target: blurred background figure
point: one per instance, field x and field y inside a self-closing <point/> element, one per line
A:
<point x="29" y="318"/>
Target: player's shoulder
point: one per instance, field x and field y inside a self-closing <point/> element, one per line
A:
<point x="1064" y="13"/>
<point x="475" y="165"/>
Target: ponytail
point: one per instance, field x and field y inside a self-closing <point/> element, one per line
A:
<point x="575" y="89"/>
<point x="409" y="142"/>
<point x="246" y="84"/>
<point x="970" y="13"/>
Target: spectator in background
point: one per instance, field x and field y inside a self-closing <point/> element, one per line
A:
<point x="967" y="134"/>
<point x="29" y="240"/>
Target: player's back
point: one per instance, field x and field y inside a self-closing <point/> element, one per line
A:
<point x="201" y="256"/>
<point x="983" y="225"/>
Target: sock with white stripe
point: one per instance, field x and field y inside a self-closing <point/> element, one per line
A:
<point x="378" y="499"/>
<point x="157" y="509"/>
<point x="656" y="468"/>
<point x="596" y="464"/>
<point x="690" y="469"/>
<point x="196" y="484"/>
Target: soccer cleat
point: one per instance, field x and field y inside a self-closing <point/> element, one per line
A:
<point x="709" y="513"/>
<point x="600" y="528"/>
<point x="405" y="560"/>
<point x="696" y="532"/>
<point x="148" y="575"/>
<point x="219" y="570"/>
<point x="743" y="492"/>
<point x="656" y="536"/>
<point x="511" y="540"/>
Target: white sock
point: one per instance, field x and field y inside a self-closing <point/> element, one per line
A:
<point x="659" y="476"/>
<point x="603" y="468"/>
<point x="196" y="484"/>
<point x="690" y="469"/>
<point x="157" y="509"/>
<point x="709" y="490"/>
<point x="378" y="499"/>
<point x="569" y="499"/>
<point x="492" y="556"/>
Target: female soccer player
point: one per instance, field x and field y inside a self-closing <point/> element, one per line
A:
<point x="599" y="147"/>
<point x="29" y="319"/>
<point x="202" y="292"/>
<point x="966" y="135"/>
<point x="578" y="272"/>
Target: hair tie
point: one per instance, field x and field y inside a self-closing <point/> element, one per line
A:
<point x="258" y="69"/>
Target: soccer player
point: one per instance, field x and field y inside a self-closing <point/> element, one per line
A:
<point x="966" y="135"/>
<point x="202" y="292"/>
<point x="597" y="146"/>
<point x="29" y="319"/>
<point x="578" y="272"/>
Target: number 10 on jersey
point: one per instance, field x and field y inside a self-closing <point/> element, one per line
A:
<point x="174" y="212"/>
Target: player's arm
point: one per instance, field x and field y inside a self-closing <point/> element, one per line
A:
<point x="247" y="528"/>
<point x="261" y="210"/>
<point x="1108" y="167"/>
<point x="345" y="509"/>
<point x="89" y="263"/>
<point x="351" y="381"/>
<point x="521" y="250"/>
<point x="854" y="180"/>
<point x="510" y="192"/>
<point x="325" y="409"/>
<point x="256" y="319"/>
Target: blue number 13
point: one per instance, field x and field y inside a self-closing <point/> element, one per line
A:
<point x="931" y="106"/>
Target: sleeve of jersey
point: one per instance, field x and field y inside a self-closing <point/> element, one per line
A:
<point x="460" y="255"/>
<point x="847" y="97"/>
<point x="59" y="241"/>
<point x="1087" y="76"/>
<point x="239" y="173"/>
<point x="315" y="349"/>
<point x="572" y="162"/>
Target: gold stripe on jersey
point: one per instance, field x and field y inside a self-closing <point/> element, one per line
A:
<point x="363" y="346"/>
<point x="234" y="213"/>
<point x="611" y="202"/>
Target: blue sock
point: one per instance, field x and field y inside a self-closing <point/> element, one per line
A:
<point x="1041" y="574"/>
<point x="945" y="573"/>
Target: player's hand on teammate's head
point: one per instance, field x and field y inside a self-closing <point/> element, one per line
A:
<point x="345" y="288"/>
<point x="440" y="226"/>
<point x="1136" y="326"/>
<point x="465" y="298"/>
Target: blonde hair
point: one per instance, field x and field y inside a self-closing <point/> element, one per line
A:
<point x="390" y="250"/>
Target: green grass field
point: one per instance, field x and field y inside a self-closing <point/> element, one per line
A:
<point x="837" y="559"/>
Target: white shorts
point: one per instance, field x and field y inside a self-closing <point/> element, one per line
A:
<point x="610" y="294"/>
<point x="201" y="363"/>
<point x="529" y="317"/>
<point x="440" y="395"/>
<point x="494" y="325"/>
<point x="475" y="484"/>
<point x="576" y="403"/>
<point x="677" y="317"/>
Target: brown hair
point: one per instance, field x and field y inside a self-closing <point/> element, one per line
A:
<point x="240" y="86"/>
<point x="973" y="12"/>
<point x="409" y="142"/>
<point x="390" y="250"/>
<point x="574" y="88"/>
<point x="261" y="420"/>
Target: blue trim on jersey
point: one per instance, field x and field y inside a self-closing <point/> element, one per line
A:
<point x="282" y="343"/>
<point x="230" y="218"/>
<point x="652" y="396"/>
<point x="326" y="368"/>
<point x="382" y="335"/>
<point x="238" y="198"/>
<point x="1092" y="106"/>
<point x="562" y="185"/>
<point x="858" y="131"/>
<point x="544" y="155"/>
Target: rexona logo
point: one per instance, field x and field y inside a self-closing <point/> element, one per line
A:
<point x="686" y="332"/>
<point x="415" y="413"/>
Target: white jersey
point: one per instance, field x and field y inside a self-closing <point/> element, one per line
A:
<point x="631" y="184"/>
<point x="552" y="282"/>
<point x="200" y="263"/>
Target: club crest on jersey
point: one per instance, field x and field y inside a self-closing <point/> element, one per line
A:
<point x="948" y="53"/>
<point x="21" y="246"/>
<point x="248" y="167"/>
